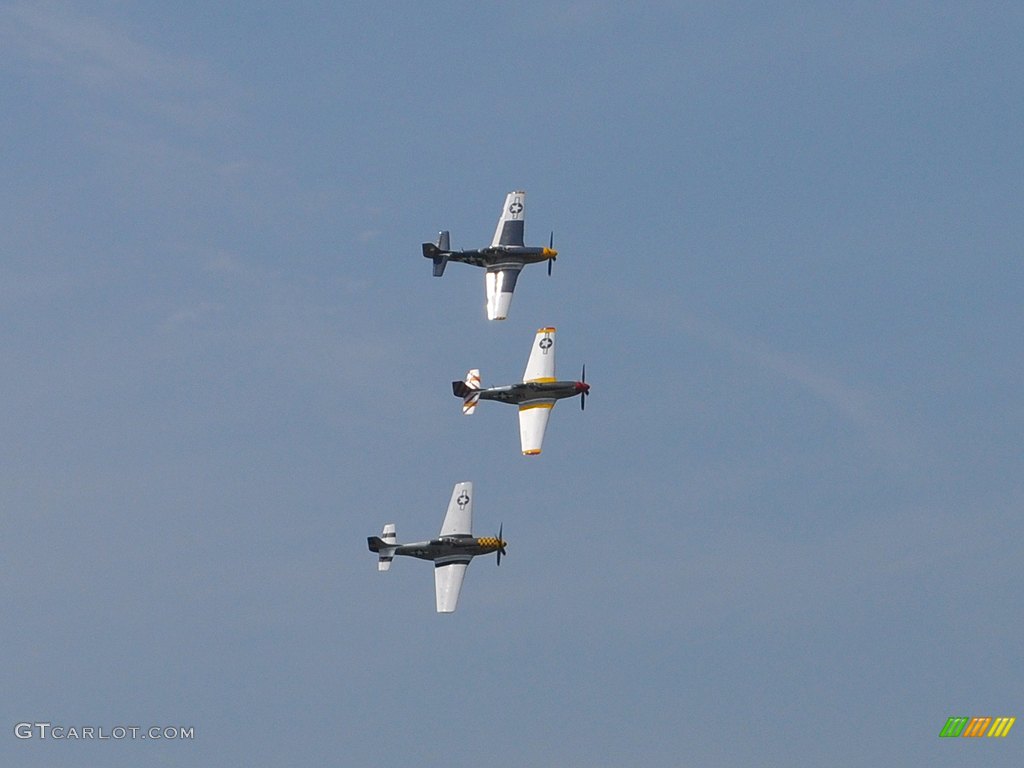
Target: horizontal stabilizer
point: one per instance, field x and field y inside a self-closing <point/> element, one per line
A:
<point x="439" y="257"/>
<point x="384" y="545"/>
<point x="468" y="390"/>
<point x="469" y="403"/>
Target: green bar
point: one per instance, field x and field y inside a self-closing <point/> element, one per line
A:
<point x="953" y="727"/>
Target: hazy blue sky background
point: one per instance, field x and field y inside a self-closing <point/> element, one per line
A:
<point x="786" y="531"/>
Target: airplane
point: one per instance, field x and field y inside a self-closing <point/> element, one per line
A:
<point x="503" y="258"/>
<point x="535" y="397"/>
<point x="451" y="551"/>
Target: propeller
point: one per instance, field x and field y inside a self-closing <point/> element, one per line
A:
<point x="584" y="389"/>
<point x="551" y="246"/>
<point x="501" y="543"/>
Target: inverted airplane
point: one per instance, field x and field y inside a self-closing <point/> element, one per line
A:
<point x="536" y="395"/>
<point x="503" y="258"/>
<point x="451" y="551"/>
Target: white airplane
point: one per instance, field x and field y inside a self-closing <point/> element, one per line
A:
<point x="451" y="551"/>
<point x="535" y="397"/>
<point x="503" y="259"/>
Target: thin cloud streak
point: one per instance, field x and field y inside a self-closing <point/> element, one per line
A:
<point x="854" y="406"/>
<point x="87" y="49"/>
<point x="107" y="61"/>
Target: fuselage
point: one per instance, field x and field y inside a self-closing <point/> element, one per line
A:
<point x="450" y="547"/>
<point x="503" y="255"/>
<point x="515" y="394"/>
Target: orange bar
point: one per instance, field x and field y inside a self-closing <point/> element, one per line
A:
<point x="977" y="726"/>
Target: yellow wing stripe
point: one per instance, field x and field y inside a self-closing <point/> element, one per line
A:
<point x="545" y="330"/>
<point x="530" y="406"/>
<point x="541" y="380"/>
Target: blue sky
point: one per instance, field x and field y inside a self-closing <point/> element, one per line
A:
<point x="787" y="528"/>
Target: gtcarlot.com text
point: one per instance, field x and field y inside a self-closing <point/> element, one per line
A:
<point x="42" y="731"/>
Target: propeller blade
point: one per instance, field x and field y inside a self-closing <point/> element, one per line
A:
<point x="551" y="245"/>
<point x="501" y="543"/>
<point x="586" y="390"/>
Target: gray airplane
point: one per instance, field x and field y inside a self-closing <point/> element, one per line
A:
<point x="503" y="259"/>
<point x="451" y="552"/>
<point x="535" y="396"/>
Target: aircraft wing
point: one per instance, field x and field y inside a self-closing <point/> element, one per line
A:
<point x="500" y="282"/>
<point x="448" y="578"/>
<point x="459" y="518"/>
<point x="541" y="365"/>
<point x="533" y="420"/>
<point x="512" y="220"/>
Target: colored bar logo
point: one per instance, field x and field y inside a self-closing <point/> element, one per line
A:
<point x="975" y="727"/>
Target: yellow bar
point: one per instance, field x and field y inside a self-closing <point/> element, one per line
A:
<point x="1001" y="726"/>
<point x="528" y="406"/>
